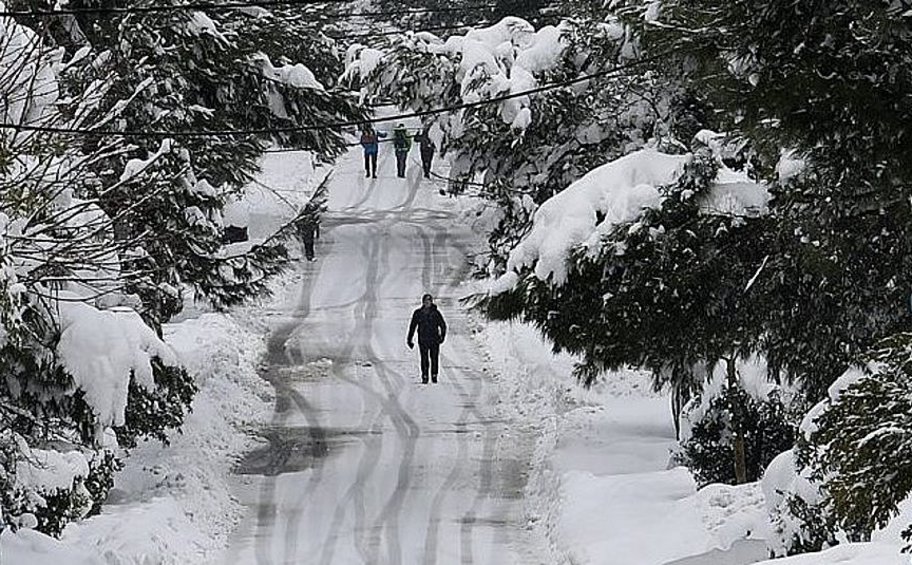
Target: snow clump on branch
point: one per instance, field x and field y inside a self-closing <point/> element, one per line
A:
<point x="613" y="194"/>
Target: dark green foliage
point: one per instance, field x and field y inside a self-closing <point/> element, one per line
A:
<point x="822" y="78"/>
<point x="100" y="481"/>
<point x="769" y="428"/>
<point x="159" y="230"/>
<point x="59" y="509"/>
<point x="863" y="454"/>
<point x="205" y="81"/>
<point x="817" y="530"/>
<point x="152" y="414"/>
<point x="665" y="293"/>
<point x="536" y="12"/>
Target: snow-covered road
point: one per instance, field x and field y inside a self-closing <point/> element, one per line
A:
<point x="364" y="464"/>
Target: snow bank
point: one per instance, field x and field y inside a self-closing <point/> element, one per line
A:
<point x="657" y="517"/>
<point x="28" y="547"/>
<point x="848" y="554"/>
<point x="174" y="504"/>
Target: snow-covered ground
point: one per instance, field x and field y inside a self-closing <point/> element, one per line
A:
<point x="602" y="491"/>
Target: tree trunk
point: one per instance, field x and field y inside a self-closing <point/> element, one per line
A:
<point x="679" y="397"/>
<point x="737" y="431"/>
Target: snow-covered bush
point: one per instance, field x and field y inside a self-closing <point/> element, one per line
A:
<point x="625" y="267"/>
<point x="855" y="455"/>
<point x="752" y="408"/>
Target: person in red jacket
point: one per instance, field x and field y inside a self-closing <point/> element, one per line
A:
<point x="431" y="332"/>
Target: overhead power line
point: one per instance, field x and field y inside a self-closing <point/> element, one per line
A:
<point x="337" y="125"/>
<point x="404" y="31"/>
<point x="212" y="6"/>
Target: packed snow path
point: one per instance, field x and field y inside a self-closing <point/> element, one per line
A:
<point x="364" y="463"/>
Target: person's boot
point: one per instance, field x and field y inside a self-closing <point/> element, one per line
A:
<point x="434" y="379"/>
<point x="424" y="379"/>
<point x="367" y="174"/>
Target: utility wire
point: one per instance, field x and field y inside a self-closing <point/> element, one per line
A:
<point x="210" y="6"/>
<point x="336" y="125"/>
<point x="404" y="31"/>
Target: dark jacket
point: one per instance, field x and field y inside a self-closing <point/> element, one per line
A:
<point x="402" y="142"/>
<point x="425" y="144"/>
<point x="430" y="325"/>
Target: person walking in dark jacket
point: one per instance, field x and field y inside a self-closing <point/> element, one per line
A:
<point x="310" y="231"/>
<point x="426" y="147"/>
<point x="431" y="332"/>
<point x="402" y="143"/>
<point x="370" y="141"/>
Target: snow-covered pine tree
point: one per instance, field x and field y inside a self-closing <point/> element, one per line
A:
<point x="661" y="283"/>
<point x="231" y="71"/>
<point x="818" y="84"/>
<point x="849" y="475"/>
<point x="67" y="358"/>
<point x="809" y="79"/>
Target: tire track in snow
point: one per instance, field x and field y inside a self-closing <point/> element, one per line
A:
<point x="387" y="524"/>
<point x="442" y="240"/>
<point x="433" y="531"/>
<point x="373" y="441"/>
<point x="278" y="356"/>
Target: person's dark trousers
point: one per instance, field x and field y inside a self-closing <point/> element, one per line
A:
<point x="429" y="354"/>
<point x="426" y="160"/>
<point x="370" y="164"/>
<point x="400" y="163"/>
<point x="309" y="248"/>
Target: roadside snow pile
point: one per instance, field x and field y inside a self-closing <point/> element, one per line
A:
<point x="28" y="547"/>
<point x="613" y="194"/>
<point x="848" y="554"/>
<point x="173" y="504"/>
<point x="600" y="491"/>
<point x="616" y="490"/>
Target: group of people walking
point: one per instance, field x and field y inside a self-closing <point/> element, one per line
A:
<point x="427" y="321"/>
<point x="402" y="144"/>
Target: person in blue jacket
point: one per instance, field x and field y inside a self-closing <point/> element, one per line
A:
<point x="370" y="141"/>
